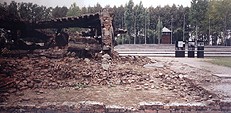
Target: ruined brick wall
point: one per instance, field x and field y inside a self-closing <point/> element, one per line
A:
<point x="107" y="29"/>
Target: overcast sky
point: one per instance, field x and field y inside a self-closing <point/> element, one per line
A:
<point x="146" y="3"/>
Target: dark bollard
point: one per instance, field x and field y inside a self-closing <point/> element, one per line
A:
<point x="200" y="49"/>
<point x="191" y="49"/>
<point x="180" y="49"/>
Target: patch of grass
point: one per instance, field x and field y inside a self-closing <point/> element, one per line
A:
<point x="223" y="61"/>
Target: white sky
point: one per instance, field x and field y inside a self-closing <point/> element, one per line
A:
<point x="146" y="3"/>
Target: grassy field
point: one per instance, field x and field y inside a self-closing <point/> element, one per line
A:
<point x="224" y="61"/>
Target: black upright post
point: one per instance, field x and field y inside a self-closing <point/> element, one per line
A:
<point x="200" y="49"/>
<point x="180" y="49"/>
<point x="191" y="49"/>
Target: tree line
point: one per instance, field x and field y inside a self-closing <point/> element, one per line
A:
<point x="33" y="12"/>
<point x="209" y="20"/>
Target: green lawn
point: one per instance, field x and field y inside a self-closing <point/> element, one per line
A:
<point x="224" y="61"/>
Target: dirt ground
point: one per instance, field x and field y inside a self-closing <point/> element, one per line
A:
<point x="123" y="81"/>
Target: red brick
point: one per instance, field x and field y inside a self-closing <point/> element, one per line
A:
<point x="140" y="111"/>
<point x="150" y="111"/>
<point x="201" y="108"/>
<point x="226" y="108"/>
<point x="115" y="110"/>
<point x="177" y="111"/>
<point x="215" y="107"/>
<point x="86" y="111"/>
<point x="151" y="105"/>
<point x="211" y="112"/>
<point x="99" y="111"/>
<point x="192" y="111"/>
<point x="164" y="111"/>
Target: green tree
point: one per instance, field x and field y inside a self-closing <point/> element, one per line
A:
<point x="59" y="12"/>
<point x="119" y="16"/>
<point x="129" y="18"/>
<point x="140" y="22"/>
<point x="159" y="28"/>
<point x="94" y="9"/>
<point x="225" y="8"/>
<point x="219" y="22"/>
<point x="13" y="10"/>
<point x="97" y="8"/>
<point x="118" y="21"/>
<point x="198" y="12"/>
<point x="84" y="10"/>
<point x="74" y="10"/>
<point x="40" y="12"/>
<point x="25" y="11"/>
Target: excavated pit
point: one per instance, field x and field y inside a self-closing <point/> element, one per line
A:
<point x="115" y="79"/>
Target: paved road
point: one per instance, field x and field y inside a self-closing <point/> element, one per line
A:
<point x="167" y="50"/>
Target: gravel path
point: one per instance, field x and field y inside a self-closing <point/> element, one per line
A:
<point x="199" y="63"/>
<point x="204" y="71"/>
